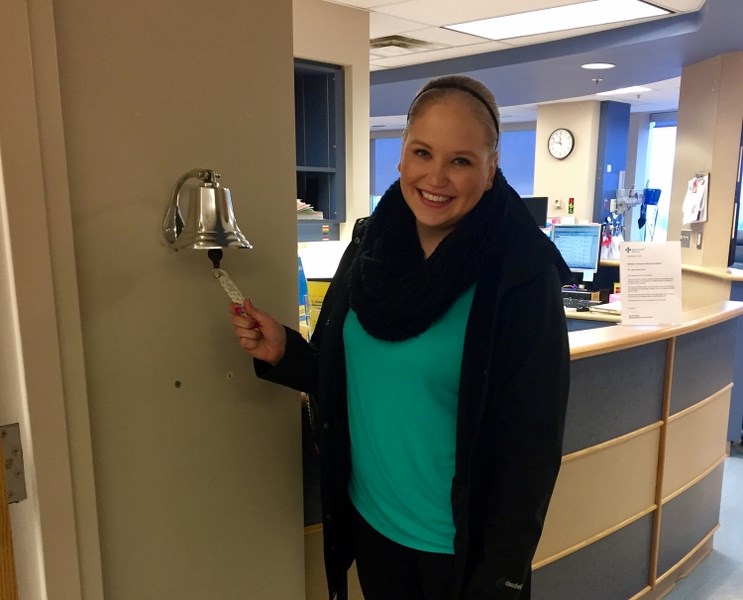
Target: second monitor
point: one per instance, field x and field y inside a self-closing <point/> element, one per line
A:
<point x="537" y="206"/>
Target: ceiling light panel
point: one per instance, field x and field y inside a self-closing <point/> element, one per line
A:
<point x="598" y="66"/>
<point x="574" y="16"/>
<point x="438" y="13"/>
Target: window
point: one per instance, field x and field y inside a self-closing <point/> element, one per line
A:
<point x="661" y="152"/>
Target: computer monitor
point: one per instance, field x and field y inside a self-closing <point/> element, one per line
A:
<point x="580" y="246"/>
<point x="537" y="206"/>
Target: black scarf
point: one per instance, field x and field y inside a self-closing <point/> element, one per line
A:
<point x="395" y="291"/>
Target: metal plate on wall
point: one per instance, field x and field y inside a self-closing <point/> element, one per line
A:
<point x="15" y="476"/>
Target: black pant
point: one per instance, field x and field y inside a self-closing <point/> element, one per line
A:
<point x="389" y="571"/>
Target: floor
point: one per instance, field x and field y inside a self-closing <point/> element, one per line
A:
<point x="720" y="575"/>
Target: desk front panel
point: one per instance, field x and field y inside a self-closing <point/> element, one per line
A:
<point x="613" y="568"/>
<point x="689" y="519"/>
<point x="703" y="364"/>
<point x="614" y="394"/>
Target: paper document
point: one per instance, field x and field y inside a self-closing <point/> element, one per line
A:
<point x="695" y="201"/>
<point x="609" y="308"/>
<point x="650" y="277"/>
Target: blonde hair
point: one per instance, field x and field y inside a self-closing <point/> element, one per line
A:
<point x="478" y="97"/>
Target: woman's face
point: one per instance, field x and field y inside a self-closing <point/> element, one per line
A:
<point x="445" y="167"/>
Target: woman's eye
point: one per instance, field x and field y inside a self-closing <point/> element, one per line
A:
<point x="461" y="161"/>
<point x="422" y="152"/>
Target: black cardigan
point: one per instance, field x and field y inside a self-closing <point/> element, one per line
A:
<point x="512" y="401"/>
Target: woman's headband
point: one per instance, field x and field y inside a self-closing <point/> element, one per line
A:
<point x="464" y="88"/>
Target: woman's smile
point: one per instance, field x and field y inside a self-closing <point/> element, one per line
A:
<point x="435" y="198"/>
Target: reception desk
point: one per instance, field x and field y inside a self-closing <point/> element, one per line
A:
<point x="637" y="501"/>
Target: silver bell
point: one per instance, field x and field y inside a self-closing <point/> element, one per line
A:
<point x="210" y="220"/>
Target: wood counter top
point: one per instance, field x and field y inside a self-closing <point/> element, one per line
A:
<point x="602" y="340"/>
<point x="727" y="274"/>
<point x="572" y="313"/>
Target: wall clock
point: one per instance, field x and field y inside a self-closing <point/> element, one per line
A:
<point x="560" y="143"/>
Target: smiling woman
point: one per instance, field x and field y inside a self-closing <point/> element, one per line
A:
<point x="438" y="371"/>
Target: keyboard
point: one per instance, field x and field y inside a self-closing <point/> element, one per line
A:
<point x="579" y="302"/>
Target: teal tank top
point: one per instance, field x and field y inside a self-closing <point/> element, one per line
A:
<point x="402" y="409"/>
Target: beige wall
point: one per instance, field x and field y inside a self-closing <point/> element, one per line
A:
<point x="574" y="176"/>
<point x="339" y="35"/>
<point x="709" y="125"/>
<point x="196" y="490"/>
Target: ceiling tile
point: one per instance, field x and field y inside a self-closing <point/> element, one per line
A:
<point x="365" y="4"/>
<point x="381" y="25"/>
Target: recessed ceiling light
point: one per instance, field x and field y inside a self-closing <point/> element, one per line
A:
<point x="635" y="89"/>
<point x="598" y="66"/>
<point x="560" y="18"/>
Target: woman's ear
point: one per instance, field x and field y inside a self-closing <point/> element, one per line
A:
<point x="398" y="167"/>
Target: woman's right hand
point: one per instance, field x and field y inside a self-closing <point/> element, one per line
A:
<point x="259" y="334"/>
